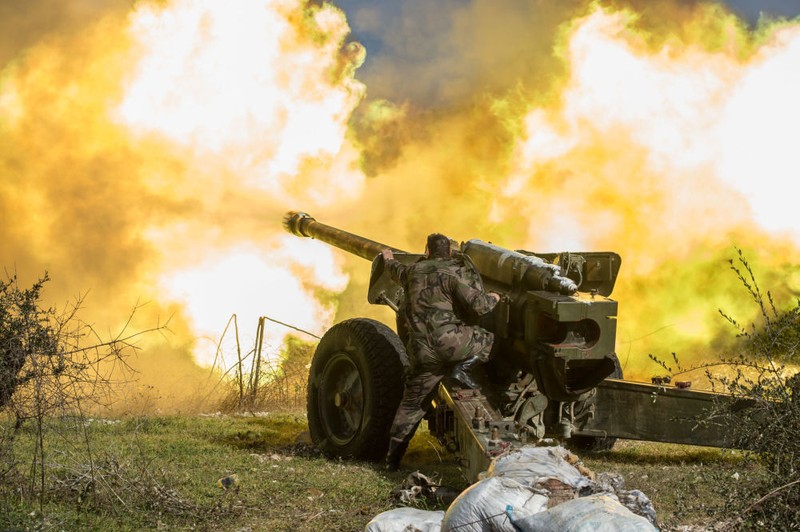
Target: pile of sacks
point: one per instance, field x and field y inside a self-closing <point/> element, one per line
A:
<point x="533" y="489"/>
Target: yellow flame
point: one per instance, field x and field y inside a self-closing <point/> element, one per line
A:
<point x="250" y="283"/>
<point x="260" y="91"/>
<point x="246" y="83"/>
<point x="150" y="158"/>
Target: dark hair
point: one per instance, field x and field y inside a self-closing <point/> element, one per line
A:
<point x="438" y="246"/>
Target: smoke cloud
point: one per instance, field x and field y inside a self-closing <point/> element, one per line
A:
<point x="149" y="151"/>
<point x="659" y="131"/>
<point x="148" y="156"/>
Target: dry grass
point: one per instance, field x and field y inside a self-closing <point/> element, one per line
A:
<point x="163" y="472"/>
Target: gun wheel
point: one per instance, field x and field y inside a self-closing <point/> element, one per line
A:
<point x="354" y="387"/>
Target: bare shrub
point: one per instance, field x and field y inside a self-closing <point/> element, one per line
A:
<point x="284" y="380"/>
<point x="764" y="418"/>
<point x="267" y="378"/>
<point x="53" y="367"/>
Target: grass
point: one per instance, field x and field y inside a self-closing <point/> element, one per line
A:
<point x="688" y="485"/>
<point x="163" y="472"/>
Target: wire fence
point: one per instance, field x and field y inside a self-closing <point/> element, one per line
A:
<point x="266" y="376"/>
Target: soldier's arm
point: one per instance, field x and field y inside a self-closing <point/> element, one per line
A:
<point x="397" y="270"/>
<point x="470" y="291"/>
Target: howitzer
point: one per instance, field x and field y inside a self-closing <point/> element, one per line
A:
<point x="553" y="369"/>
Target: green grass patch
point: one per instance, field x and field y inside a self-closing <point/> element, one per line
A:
<point x="688" y="485"/>
<point x="163" y="472"/>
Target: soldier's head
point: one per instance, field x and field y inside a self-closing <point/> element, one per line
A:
<point x="438" y="246"/>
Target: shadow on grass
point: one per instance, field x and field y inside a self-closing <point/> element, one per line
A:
<point x="282" y="434"/>
<point x="648" y="453"/>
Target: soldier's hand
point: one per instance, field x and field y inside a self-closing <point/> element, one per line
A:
<point x="387" y="254"/>
<point x="495" y="296"/>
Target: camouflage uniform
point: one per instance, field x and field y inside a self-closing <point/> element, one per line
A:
<point x="437" y="338"/>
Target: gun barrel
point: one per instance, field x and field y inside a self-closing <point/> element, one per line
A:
<point x="303" y="224"/>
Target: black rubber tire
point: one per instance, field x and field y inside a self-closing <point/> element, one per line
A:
<point x="354" y="387"/>
<point x="596" y="444"/>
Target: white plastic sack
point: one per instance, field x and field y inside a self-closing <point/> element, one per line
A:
<point x="404" y="519"/>
<point x="530" y="464"/>
<point x="482" y="506"/>
<point x="638" y="503"/>
<point x="596" y="513"/>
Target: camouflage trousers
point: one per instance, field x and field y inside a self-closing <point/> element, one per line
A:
<point x="431" y="360"/>
<point x="448" y="345"/>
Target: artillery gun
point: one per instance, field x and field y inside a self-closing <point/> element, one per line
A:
<point x="553" y="369"/>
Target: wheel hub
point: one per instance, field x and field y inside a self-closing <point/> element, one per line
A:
<point x="341" y="399"/>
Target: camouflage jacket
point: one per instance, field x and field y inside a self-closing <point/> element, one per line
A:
<point x="434" y="290"/>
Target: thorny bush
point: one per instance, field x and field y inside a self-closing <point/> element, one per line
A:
<point x="764" y="416"/>
<point x="24" y="330"/>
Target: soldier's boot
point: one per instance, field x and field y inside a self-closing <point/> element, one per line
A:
<point x="397" y="448"/>
<point x="463" y="372"/>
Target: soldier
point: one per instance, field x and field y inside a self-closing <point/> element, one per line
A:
<point x="438" y="339"/>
